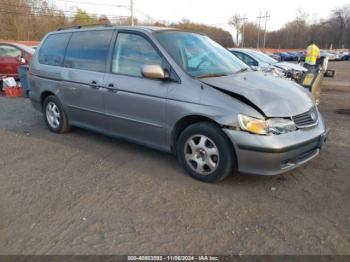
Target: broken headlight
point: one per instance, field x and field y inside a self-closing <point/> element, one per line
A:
<point x="279" y="126"/>
<point x="252" y="125"/>
<point x="273" y="126"/>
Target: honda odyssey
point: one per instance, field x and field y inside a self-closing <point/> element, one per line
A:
<point x="178" y="92"/>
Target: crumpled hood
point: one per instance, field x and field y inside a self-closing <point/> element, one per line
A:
<point x="290" y="66"/>
<point x="274" y="96"/>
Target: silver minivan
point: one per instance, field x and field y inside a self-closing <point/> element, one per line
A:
<point x="178" y="92"/>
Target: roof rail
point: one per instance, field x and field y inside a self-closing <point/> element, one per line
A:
<point x="81" y="26"/>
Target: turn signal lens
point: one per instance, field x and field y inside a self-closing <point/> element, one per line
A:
<point x="253" y="125"/>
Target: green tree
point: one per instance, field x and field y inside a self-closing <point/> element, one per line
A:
<point x="83" y="18"/>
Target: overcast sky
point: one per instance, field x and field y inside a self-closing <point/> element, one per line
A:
<point x="214" y="12"/>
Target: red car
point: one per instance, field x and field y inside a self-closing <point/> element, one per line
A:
<point x="13" y="55"/>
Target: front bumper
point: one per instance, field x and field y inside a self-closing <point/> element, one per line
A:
<point x="276" y="154"/>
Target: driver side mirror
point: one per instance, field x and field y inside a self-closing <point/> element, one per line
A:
<point x="154" y="72"/>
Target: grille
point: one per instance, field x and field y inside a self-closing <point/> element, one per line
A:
<point x="306" y="119"/>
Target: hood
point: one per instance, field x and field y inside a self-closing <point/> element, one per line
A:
<point x="274" y="96"/>
<point x="290" y="66"/>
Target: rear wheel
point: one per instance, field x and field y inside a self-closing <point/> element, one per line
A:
<point x="205" y="152"/>
<point x="55" y="117"/>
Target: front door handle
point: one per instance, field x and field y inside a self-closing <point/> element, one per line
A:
<point x="112" y="88"/>
<point x="94" y="84"/>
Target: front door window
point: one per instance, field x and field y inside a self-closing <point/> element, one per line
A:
<point x="131" y="52"/>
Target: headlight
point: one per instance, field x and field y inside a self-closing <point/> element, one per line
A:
<point x="274" y="126"/>
<point x="279" y="126"/>
<point x="253" y="125"/>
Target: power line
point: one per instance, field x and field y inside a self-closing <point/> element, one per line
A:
<point x="43" y="15"/>
<point x="110" y="5"/>
<point x="57" y="11"/>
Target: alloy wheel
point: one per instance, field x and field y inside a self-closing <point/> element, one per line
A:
<point x="201" y="154"/>
<point x="53" y="115"/>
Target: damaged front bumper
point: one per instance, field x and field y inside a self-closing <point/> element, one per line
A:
<point x="276" y="154"/>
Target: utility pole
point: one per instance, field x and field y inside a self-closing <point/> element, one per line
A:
<point x="266" y="17"/>
<point x="132" y="12"/>
<point x="259" y="18"/>
<point x="262" y="17"/>
<point x="243" y="19"/>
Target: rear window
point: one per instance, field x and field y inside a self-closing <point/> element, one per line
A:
<point x="88" y="50"/>
<point x="53" y="49"/>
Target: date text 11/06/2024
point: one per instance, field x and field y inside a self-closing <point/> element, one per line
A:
<point x="173" y="258"/>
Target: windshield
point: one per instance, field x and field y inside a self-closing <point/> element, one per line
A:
<point x="198" y="55"/>
<point x="263" y="58"/>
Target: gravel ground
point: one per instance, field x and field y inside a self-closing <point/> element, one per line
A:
<point x="84" y="193"/>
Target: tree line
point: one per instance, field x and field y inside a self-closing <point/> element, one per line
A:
<point x="32" y="19"/>
<point x="333" y="32"/>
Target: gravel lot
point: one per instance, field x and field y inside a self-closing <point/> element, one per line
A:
<point x="84" y="193"/>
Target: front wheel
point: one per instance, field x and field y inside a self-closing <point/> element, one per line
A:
<point x="205" y="152"/>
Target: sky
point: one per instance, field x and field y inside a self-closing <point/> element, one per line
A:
<point x="214" y="12"/>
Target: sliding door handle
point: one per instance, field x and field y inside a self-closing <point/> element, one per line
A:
<point x="94" y="84"/>
<point x="112" y="88"/>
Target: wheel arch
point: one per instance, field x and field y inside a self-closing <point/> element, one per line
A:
<point x="185" y="122"/>
<point x="43" y="96"/>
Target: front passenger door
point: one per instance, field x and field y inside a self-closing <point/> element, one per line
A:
<point x="135" y="104"/>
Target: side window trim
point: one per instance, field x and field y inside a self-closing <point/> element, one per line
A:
<point x="65" y="51"/>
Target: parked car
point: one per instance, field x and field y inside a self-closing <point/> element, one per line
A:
<point x="274" y="56"/>
<point x="154" y="86"/>
<point x="285" y="56"/>
<point x="299" y="55"/>
<point x="345" y="56"/>
<point x="325" y="53"/>
<point x="263" y="62"/>
<point x="336" y="53"/>
<point x="13" y="55"/>
<point x="294" y="55"/>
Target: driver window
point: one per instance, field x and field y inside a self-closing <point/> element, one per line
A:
<point x="248" y="60"/>
<point x="131" y="52"/>
<point x="239" y="55"/>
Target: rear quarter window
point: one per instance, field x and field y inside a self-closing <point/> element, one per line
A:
<point x="89" y="50"/>
<point x="53" y="49"/>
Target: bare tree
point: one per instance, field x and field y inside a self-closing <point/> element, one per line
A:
<point x="235" y="22"/>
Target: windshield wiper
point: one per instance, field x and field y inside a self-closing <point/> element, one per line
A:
<point x="242" y="69"/>
<point x="211" y="75"/>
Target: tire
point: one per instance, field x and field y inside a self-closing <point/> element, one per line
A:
<point x="205" y="152"/>
<point x="53" y="109"/>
